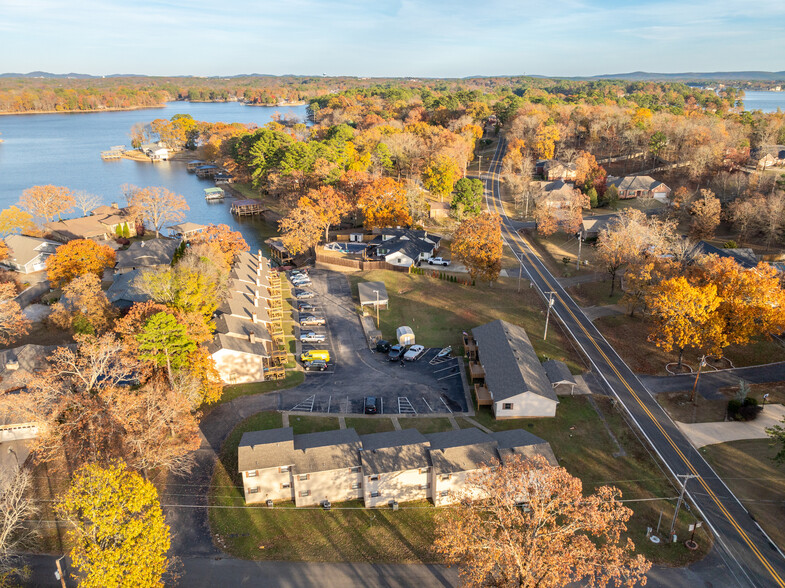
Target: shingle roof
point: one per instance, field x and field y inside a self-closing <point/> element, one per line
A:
<point x="29" y="359"/>
<point x="265" y="449"/>
<point x="23" y="249"/>
<point x="634" y="183"/>
<point x="745" y="257"/>
<point x="461" y="450"/>
<point x="510" y="363"/>
<point x="328" y="450"/>
<point x="521" y="442"/>
<point x="221" y="341"/>
<point x="127" y="287"/>
<point x="187" y="227"/>
<point x="368" y="295"/>
<point x="148" y="253"/>
<point x="237" y="327"/>
<point x="407" y="241"/>
<point x="557" y="372"/>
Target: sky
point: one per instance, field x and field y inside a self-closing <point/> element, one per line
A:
<point x="426" y="38"/>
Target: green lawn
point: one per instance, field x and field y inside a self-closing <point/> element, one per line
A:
<point x="367" y="426"/>
<point x="439" y="311"/>
<point x="293" y="378"/>
<point x="748" y="470"/>
<point x="596" y="293"/>
<point x="579" y="441"/>
<point x="312" y="424"/>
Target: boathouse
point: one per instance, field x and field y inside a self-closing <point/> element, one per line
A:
<point x="213" y="194"/>
<point x="247" y="207"/>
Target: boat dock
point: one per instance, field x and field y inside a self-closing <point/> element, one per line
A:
<point x="247" y="207"/>
<point x="114" y="152"/>
<point x="206" y="171"/>
<point x="213" y="194"/>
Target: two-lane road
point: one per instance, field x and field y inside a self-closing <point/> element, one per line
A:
<point x="752" y="559"/>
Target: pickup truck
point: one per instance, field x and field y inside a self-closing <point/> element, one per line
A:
<point x="414" y="353"/>
<point x="312" y="320"/>
<point x="312" y="337"/>
<point x="438" y="261"/>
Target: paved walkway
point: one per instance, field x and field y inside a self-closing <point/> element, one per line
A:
<point x="476" y="424"/>
<point x="701" y="434"/>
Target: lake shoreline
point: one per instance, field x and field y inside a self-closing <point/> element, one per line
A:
<point x="163" y="105"/>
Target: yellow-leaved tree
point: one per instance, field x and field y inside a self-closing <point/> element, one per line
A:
<point x="545" y="141"/>
<point x="118" y="531"/>
<point x="383" y="203"/>
<point x="478" y="244"/>
<point x="684" y="315"/>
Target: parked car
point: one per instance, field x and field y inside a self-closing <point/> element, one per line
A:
<point x="303" y="294"/>
<point x="383" y="346"/>
<point x="438" y="261"/>
<point x="316" y="365"/>
<point x="299" y="272"/>
<point x="312" y="320"/>
<point x="396" y="352"/>
<point x="370" y="405"/>
<point x="305" y="307"/>
<point x="414" y="353"/>
<point x="301" y="283"/>
<point x="322" y="354"/>
<point x="311" y="337"/>
<point x="299" y="278"/>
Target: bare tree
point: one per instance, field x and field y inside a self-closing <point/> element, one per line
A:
<point x="158" y="205"/>
<point x="85" y="201"/>
<point x="16" y="510"/>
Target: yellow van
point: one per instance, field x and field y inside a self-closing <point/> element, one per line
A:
<point x="315" y="354"/>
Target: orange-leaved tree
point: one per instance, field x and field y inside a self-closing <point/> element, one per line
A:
<point x="527" y="524"/>
<point x="383" y="204"/>
<point x="328" y="204"/>
<point x="84" y="306"/>
<point x="300" y="229"/>
<point x="13" y="322"/>
<point x="76" y="258"/>
<point x="230" y="243"/>
<point x="440" y="175"/>
<point x="47" y="202"/>
<point x="15" y="220"/>
<point x="478" y="244"/>
<point x="683" y="315"/>
<point x="705" y="212"/>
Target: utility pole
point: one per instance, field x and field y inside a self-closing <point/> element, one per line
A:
<point x="479" y="172"/>
<point x="681" y="498"/>
<point x="693" y="396"/>
<point x="377" y="308"/>
<point x="548" y="313"/>
<point x="520" y="270"/>
<point x="580" y="241"/>
<point x="59" y="573"/>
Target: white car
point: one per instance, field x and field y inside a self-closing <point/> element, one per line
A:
<point x="414" y="353"/>
<point x="312" y="337"/>
<point x="438" y="261"/>
<point x="309" y="321"/>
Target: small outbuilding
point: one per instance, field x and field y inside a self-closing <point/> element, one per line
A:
<point x="373" y="294"/>
<point x="559" y="376"/>
<point x="405" y="335"/>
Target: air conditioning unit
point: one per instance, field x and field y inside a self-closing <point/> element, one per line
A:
<point x="326" y="505"/>
<point x="394" y="504"/>
<point x="269" y="503"/>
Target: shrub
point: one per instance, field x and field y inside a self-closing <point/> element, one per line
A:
<point x="744" y="410"/>
<point x="730" y="244"/>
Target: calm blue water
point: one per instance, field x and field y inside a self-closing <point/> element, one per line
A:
<point x="765" y="101"/>
<point x="65" y="150"/>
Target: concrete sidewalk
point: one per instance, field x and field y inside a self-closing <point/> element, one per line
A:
<point x="701" y="434"/>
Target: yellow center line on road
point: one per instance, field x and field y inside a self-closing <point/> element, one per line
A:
<point x="512" y="235"/>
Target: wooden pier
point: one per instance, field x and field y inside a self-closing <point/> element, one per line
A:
<point x="193" y="164"/>
<point x="247" y="207"/>
<point x="213" y="194"/>
<point x="206" y="171"/>
<point x="111" y="154"/>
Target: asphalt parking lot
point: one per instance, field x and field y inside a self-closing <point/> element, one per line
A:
<point x="425" y="386"/>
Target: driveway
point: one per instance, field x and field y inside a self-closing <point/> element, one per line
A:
<point x="701" y="434"/>
<point x="711" y="381"/>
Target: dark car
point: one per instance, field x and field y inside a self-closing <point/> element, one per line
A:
<point x="370" y="405"/>
<point x="303" y="294"/>
<point x="315" y="365"/>
<point x="396" y="352"/>
<point x="305" y="307"/>
<point x="383" y="346"/>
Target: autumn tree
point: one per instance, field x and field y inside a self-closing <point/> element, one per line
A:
<point x="467" y="199"/>
<point x="85" y="201"/>
<point x="158" y="206"/>
<point x="15" y="220"/>
<point x="230" y="243"/>
<point x="13" y="322"/>
<point x="772" y="219"/>
<point x="545" y="141"/>
<point x="84" y="307"/>
<point x="589" y="174"/>
<point x="682" y="314"/>
<point x="16" y="510"/>
<point x="526" y="524"/>
<point x="118" y="532"/>
<point x="440" y="176"/>
<point x="47" y="202"/>
<point x="383" y="204"/>
<point x="165" y="343"/>
<point x="300" y="230"/>
<point x="545" y="219"/>
<point x="329" y="206"/>
<point x="77" y="258"/>
<point x="477" y="243"/>
<point x="705" y="212"/>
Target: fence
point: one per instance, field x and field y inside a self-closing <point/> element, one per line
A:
<point x="27" y="296"/>
<point x="359" y="264"/>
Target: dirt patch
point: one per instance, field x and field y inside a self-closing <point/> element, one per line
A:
<point x="679" y="406"/>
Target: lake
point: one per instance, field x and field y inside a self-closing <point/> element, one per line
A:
<point x="65" y="150"/>
<point x="765" y="101"/>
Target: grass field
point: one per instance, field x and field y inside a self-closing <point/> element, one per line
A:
<point x="293" y="378"/>
<point x="439" y="311"/>
<point x="579" y="440"/>
<point x="746" y="467"/>
<point x="312" y="424"/>
<point x="596" y="293"/>
<point x="369" y="425"/>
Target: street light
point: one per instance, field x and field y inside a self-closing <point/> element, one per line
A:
<point x="548" y="313"/>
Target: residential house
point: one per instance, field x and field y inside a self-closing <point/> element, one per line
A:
<point x="556" y="194"/>
<point x="28" y="254"/>
<point x="768" y="156"/>
<point x="395" y="467"/>
<point x="639" y="187"/>
<point x="155" y="151"/>
<point x="404" y="247"/>
<point x="186" y="231"/>
<point x="101" y="224"/>
<point x="150" y="254"/>
<point x="559" y="376"/>
<point x="381" y="468"/>
<point x="127" y="289"/>
<point x="591" y="226"/>
<point x="238" y="361"/>
<point x="439" y="209"/>
<point x="512" y="374"/>
<point x="744" y="256"/>
<point x="552" y="169"/>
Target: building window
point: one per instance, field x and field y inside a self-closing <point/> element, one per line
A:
<point x="286" y="485"/>
<point x="375" y="494"/>
<point x="356" y="469"/>
<point x="250" y="474"/>
<point x="445" y="477"/>
<point x="507" y="406"/>
<point x="356" y="485"/>
<point x="424" y="486"/>
<point x="444" y="493"/>
<point x="374" y="477"/>
<point x="303" y="477"/>
<point x="253" y="490"/>
<point x="304" y="493"/>
<point x="283" y="469"/>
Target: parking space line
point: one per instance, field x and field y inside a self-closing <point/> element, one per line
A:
<point x="306" y="405"/>
<point x="445" y="404"/>
<point x="449" y="367"/>
<point x="447" y="377"/>
<point x="426" y="404"/>
<point x="329" y="402"/>
<point x="405" y="406"/>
